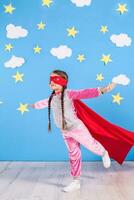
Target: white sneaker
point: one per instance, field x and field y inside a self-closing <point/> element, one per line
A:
<point x="74" y="185"/>
<point x="106" y="160"/>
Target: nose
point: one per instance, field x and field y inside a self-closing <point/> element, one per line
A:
<point x="52" y="83"/>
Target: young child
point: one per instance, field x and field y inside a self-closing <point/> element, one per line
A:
<point x="74" y="120"/>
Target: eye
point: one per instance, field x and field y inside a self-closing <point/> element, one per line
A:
<point x="56" y="78"/>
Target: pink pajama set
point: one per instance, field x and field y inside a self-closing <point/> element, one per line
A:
<point x="75" y="132"/>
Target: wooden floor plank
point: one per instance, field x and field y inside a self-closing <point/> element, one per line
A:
<point x="44" y="181"/>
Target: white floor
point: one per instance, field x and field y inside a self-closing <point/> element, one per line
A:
<point x="44" y="180"/>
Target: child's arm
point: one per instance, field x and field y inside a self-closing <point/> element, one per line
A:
<point x="90" y="92"/>
<point x="84" y="93"/>
<point x="107" y="88"/>
<point x="40" y="104"/>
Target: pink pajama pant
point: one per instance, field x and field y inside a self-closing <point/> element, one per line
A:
<point x="73" y="138"/>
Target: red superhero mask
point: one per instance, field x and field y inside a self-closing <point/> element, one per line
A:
<point x="58" y="80"/>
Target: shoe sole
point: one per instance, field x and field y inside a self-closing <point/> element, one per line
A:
<point x="70" y="190"/>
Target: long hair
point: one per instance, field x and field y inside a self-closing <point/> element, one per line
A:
<point x="63" y="75"/>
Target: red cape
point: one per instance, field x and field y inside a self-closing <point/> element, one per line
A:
<point x="116" y="140"/>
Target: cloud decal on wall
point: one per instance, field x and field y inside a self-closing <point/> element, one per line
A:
<point x="15" y="32"/>
<point x="121" y="79"/>
<point x="121" y="40"/>
<point x="61" y="52"/>
<point x="14" y="62"/>
<point x="81" y="3"/>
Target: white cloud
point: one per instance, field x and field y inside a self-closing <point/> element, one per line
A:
<point x="121" y="79"/>
<point x="14" y="62"/>
<point x="81" y="3"/>
<point x="61" y="52"/>
<point x="121" y="40"/>
<point x="15" y="32"/>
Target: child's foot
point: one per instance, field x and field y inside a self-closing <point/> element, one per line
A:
<point x="74" y="185"/>
<point x="106" y="160"/>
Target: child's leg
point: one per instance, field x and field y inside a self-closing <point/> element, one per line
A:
<point x="83" y="136"/>
<point x="74" y="156"/>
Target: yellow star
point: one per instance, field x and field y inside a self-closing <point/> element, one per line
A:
<point x="81" y="57"/>
<point x="23" y="108"/>
<point x="41" y="25"/>
<point x="106" y="59"/>
<point x="72" y="31"/>
<point x="117" y="98"/>
<point x="9" y="8"/>
<point x="18" y="77"/>
<point x="8" y="47"/>
<point x="99" y="77"/>
<point x="104" y="29"/>
<point x="46" y="3"/>
<point x="122" y="8"/>
<point x="37" y="49"/>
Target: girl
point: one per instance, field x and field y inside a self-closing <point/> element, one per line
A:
<point x="80" y="125"/>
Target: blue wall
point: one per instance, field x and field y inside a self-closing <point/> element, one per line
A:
<point x="25" y="136"/>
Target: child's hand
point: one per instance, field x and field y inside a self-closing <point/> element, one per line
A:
<point x="108" y="88"/>
<point x="31" y="105"/>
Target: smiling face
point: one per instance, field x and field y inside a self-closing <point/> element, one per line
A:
<point x="54" y="86"/>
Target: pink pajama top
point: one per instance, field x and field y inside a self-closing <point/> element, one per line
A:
<point x="71" y="119"/>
